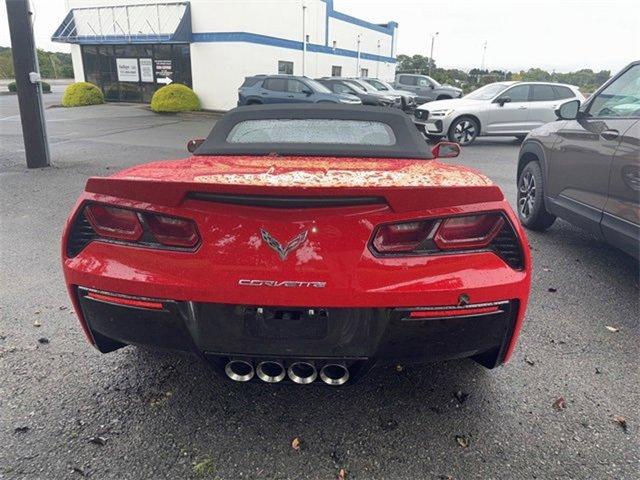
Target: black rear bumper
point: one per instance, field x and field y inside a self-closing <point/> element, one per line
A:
<point x="367" y="336"/>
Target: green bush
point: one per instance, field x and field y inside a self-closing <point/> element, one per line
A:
<point x="175" y="98"/>
<point x="46" y="88"/>
<point x="82" y="93"/>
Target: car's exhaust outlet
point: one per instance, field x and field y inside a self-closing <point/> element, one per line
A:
<point x="302" y="372"/>
<point x="334" y="374"/>
<point x="271" y="371"/>
<point x="239" y="370"/>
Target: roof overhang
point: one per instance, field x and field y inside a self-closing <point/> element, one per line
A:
<point x="123" y="24"/>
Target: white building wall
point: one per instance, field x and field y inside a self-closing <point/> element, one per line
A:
<point x="219" y="67"/>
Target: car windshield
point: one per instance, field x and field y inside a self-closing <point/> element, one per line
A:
<point x="319" y="130"/>
<point x="487" y="92"/>
<point x="379" y="84"/>
<point x="355" y="86"/>
<point x="317" y="86"/>
<point x="364" y="85"/>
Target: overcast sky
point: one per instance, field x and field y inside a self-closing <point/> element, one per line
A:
<point x="561" y="35"/>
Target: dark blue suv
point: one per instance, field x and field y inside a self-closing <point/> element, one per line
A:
<point x="288" y="89"/>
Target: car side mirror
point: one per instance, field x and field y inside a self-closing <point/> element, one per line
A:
<point x="568" y="110"/>
<point x="502" y="100"/>
<point x="432" y="86"/>
<point x="445" y="150"/>
<point x="307" y="92"/>
<point x="194" y="143"/>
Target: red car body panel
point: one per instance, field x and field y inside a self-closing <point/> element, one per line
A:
<point x="337" y="250"/>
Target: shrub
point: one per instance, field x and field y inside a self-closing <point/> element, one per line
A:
<point x="46" y="88"/>
<point x="175" y="98"/>
<point x="82" y="93"/>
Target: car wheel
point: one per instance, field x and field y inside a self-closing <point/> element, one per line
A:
<point x="464" y="130"/>
<point x="531" y="209"/>
<point x="443" y="97"/>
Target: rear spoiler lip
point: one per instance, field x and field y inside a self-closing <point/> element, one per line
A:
<point x="399" y="198"/>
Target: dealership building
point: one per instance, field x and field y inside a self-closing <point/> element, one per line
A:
<point x="130" y="49"/>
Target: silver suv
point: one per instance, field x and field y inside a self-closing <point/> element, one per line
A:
<point x="498" y="109"/>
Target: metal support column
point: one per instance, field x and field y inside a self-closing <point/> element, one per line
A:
<point x="27" y="74"/>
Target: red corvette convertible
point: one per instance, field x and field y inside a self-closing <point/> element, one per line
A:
<point x="301" y="244"/>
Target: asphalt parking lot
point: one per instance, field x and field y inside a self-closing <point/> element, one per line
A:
<point x="66" y="411"/>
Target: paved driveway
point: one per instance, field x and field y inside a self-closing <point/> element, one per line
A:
<point x="67" y="411"/>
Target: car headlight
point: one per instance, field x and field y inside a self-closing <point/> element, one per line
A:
<point x="441" y="113"/>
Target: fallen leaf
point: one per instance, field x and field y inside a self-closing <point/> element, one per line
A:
<point x="552" y="290"/>
<point x="529" y="361"/>
<point x="62" y="308"/>
<point x="598" y="371"/>
<point x="36" y="323"/>
<point x="342" y="474"/>
<point x="37" y="312"/>
<point x="461" y="396"/>
<point x="612" y="329"/>
<point x="43" y="340"/>
<point x="546" y="269"/>
<point x="21" y="429"/>
<point x="78" y="470"/>
<point x="399" y="368"/>
<point x="98" y="440"/>
<point x="445" y="477"/>
<point x="462" y="441"/>
<point x="560" y="404"/>
<point x="296" y="444"/>
<point x="620" y="420"/>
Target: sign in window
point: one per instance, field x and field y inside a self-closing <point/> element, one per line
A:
<point x="146" y="70"/>
<point x="127" y="69"/>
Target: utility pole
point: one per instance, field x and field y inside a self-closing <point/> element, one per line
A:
<point x="378" y="62"/>
<point x="433" y="40"/>
<point x="358" y="59"/>
<point x="304" y="37"/>
<point x="27" y="74"/>
<point x="484" y="51"/>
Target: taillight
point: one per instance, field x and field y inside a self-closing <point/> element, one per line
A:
<point x="486" y="231"/>
<point x="113" y="222"/>
<point x="171" y="231"/>
<point x="402" y="237"/>
<point x="474" y="231"/>
<point x="130" y="226"/>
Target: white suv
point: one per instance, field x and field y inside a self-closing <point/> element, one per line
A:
<point x="497" y="109"/>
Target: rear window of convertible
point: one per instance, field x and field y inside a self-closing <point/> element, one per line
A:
<point x="324" y="131"/>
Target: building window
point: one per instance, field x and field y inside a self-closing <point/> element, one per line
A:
<point x="364" y="72"/>
<point x="285" y="68"/>
<point x="336" y="71"/>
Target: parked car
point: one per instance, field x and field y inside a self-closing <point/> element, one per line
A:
<point x="348" y="86"/>
<point x="408" y="99"/>
<point x="585" y="168"/>
<point x="498" y="109"/>
<point x="280" y="251"/>
<point x="266" y="89"/>
<point x="426" y="88"/>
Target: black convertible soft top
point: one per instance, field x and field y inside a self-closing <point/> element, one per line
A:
<point x="404" y="142"/>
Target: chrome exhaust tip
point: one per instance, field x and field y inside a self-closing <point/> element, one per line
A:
<point x="239" y="370"/>
<point x="271" y="371"/>
<point x="334" y="374"/>
<point x="302" y="372"/>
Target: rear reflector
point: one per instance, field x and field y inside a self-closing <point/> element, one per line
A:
<point x="113" y="222"/>
<point x="454" y="312"/>
<point x="126" y="301"/>
<point x="172" y="232"/>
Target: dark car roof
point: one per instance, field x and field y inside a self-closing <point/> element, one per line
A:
<point x="408" y="142"/>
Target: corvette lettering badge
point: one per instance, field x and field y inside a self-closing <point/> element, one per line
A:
<point x="283" y="251"/>
<point x="245" y="282"/>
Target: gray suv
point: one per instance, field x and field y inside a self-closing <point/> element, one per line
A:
<point x="585" y="167"/>
<point x="425" y="88"/>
